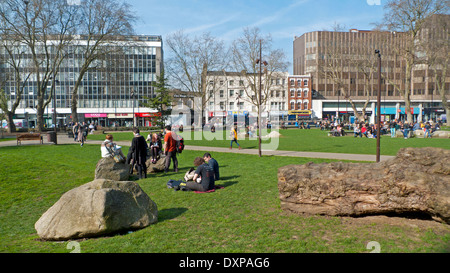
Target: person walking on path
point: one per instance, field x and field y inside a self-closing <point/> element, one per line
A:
<point x="137" y="154"/>
<point x="75" y="131"/>
<point x="80" y="135"/>
<point x="170" y="142"/>
<point x="234" y="137"/>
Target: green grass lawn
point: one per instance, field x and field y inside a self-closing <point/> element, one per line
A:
<point x="313" y="140"/>
<point x="245" y="216"/>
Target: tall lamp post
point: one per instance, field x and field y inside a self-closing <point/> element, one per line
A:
<point x="53" y="90"/>
<point x="378" y="105"/>
<point x="260" y="62"/>
<point x="132" y="97"/>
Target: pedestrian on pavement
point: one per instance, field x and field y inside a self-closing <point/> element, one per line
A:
<point x="234" y="137"/>
<point x="80" y="134"/>
<point x="75" y="131"/>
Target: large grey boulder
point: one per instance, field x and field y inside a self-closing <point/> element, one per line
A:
<point x="416" y="181"/>
<point x="158" y="166"/>
<point x="97" y="208"/>
<point x="107" y="168"/>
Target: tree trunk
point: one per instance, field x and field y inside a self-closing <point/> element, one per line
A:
<point x="10" y="121"/>
<point x="40" y="119"/>
<point x="407" y="94"/>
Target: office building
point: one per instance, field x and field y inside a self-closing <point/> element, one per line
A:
<point x="111" y="92"/>
<point x="343" y="68"/>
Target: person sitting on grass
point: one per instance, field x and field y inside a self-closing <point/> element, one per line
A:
<point x="213" y="164"/>
<point x="203" y="177"/>
<point x="357" y="131"/>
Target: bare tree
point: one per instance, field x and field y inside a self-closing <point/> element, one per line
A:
<point x="44" y="28"/>
<point x="341" y="61"/>
<point x="409" y="16"/>
<point x="14" y="71"/>
<point x="245" y="52"/>
<point x="190" y="60"/>
<point x="435" y="46"/>
<point x="100" y="23"/>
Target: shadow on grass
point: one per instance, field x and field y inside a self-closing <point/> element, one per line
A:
<point x="168" y="214"/>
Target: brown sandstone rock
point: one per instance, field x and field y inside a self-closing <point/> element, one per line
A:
<point x="417" y="180"/>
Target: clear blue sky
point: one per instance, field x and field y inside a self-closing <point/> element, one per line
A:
<point x="225" y="19"/>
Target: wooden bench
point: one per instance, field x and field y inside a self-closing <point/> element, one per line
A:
<point x="29" y="136"/>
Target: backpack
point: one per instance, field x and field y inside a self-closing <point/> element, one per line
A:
<point x="179" y="145"/>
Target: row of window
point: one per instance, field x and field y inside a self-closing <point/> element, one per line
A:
<point x="241" y="93"/>
<point x="299" y="105"/>
<point x="299" y="93"/>
<point x="299" y="82"/>
<point x="277" y="81"/>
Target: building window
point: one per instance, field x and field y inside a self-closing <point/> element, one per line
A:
<point x="292" y="93"/>
<point x="292" y="83"/>
<point x="299" y="93"/>
<point x="305" y="93"/>
<point x="231" y="105"/>
<point x="231" y="92"/>
<point x="305" y="82"/>
<point x="221" y="93"/>
<point x="305" y="105"/>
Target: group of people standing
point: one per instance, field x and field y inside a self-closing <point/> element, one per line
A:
<point x="139" y="149"/>
<point x="80" y="131"/>
<point x="207" y="171"/>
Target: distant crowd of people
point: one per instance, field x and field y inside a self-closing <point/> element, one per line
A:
<point x="388" y="127"/>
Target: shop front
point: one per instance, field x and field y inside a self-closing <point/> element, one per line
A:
<point x="96" y="118"/>
<point x="146" y="119"/>
<point x="120" y="120"/>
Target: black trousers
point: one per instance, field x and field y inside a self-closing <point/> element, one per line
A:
<point x="169" y="156"/>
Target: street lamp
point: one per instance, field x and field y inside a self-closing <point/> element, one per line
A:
<point x="260" y="62"/>
<point x="378" y="105"/>
<point x="132" y="97"/>
<point x="53" y="90"/>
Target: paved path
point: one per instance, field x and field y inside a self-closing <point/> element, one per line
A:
<point x="63" y="139"/>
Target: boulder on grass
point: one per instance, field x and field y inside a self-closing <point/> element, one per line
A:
<point x="107" y="168"/>
<point x="98" y="208"/>
<point x="415" y="182"/>
<point x="155" y="167"/>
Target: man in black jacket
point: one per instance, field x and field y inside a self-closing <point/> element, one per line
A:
<point x="137" y="155"/>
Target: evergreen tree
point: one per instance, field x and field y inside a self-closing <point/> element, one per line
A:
<point x="161" y="100"/>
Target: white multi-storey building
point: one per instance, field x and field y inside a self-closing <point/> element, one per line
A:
<point x="111" y="91"/>
<point x="231" y="95"/>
